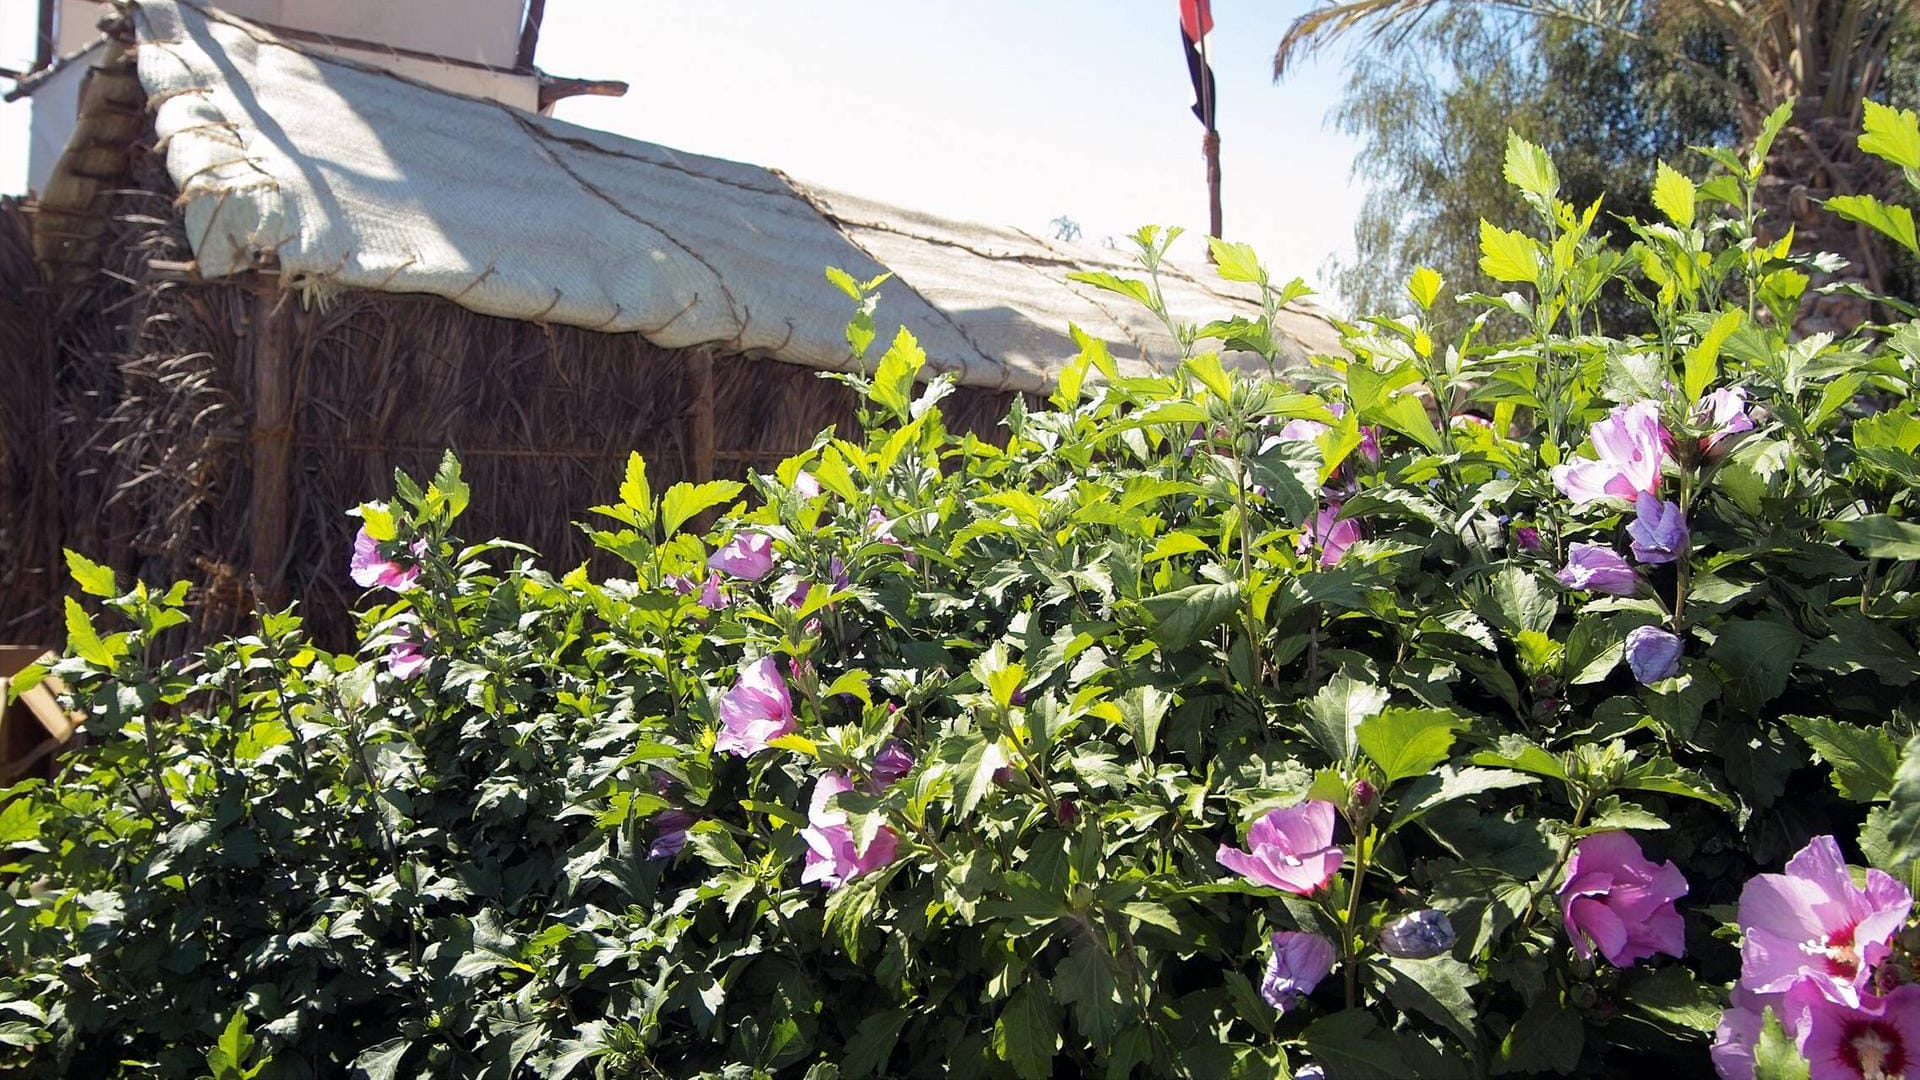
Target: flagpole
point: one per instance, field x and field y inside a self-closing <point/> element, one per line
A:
<point x="1210" y="143"/>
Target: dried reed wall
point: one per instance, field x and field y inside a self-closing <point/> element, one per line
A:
<point x="131" y="429"/>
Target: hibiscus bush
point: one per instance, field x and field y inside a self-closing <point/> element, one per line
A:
<point x="1479" y="702"/>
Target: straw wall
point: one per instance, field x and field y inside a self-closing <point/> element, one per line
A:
<point x="148" y="380"/>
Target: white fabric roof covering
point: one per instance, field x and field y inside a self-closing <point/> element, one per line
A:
<point x="351" y="177"/>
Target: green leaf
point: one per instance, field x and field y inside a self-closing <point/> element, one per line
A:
<point x="635" y="493"/>
<point x="1703" y="360"/>
<point x="1206" y="367"/>
<point x="1450" y="783"/>
<point x="1775" y="1057"/>
<point x="93" y="579"/>
<point x="1085" y="981"/>
<point x="844" y="282"/>
<point x="379" y="522"/>
<point x="1763" y="143"/>
<point x="684" y="501"/>
<point x="19" y="824"/>
<point x="1529" y="168"/>
<point x="1903" y="824"/>
<point x="1424" y="286"/>
<point x="893" y="379"/>
<point x="1175" y="544"/>
<point x="1180" y="617"/>
<point x="1136" y="291"/>
<point x="381" y="1061"/>
<point x="82" y="641"/>
<point x="1350" y="1045"/>
<point x="1508" y="256"/>
<point x="1335" y="713"/>
<point x="1026" y="1033"/>
<point x="1673" y="998"/>
<point x="1757" y="656"/>
<point x="448" y="491"/>
<point x="1663" y="776"/>
<point x="1548" y="1038"/>
<point x="1884" y="218"/>
<point x="1673" y="195"/>
<point x="1235" y="262"/>
<point x="1892" y="134"/>
<point x="1437" y="988"/>
<point x="1377" y="402"/>
<point x="1408" y="742"/>
<point x="1879" y="536"/>
<point x="871" y="1046"/>
<point x="1863" y="759"/>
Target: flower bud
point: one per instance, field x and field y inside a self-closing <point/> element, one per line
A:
<point x="1362" y="800"/>
<point x="1069" y="811"/>
<point x="1418" y="935"/>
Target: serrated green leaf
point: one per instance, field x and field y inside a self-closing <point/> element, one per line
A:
<point x="1528" y="168"/>
<point x="1424" y="286"/>
<point x="1892" y="134"/>
<point x="1879" y="536"/>
<point x="684" y="501"/>
<point x="1507" y="255"/>
<point x="1180" y="617"/>
<point x="1334" y="715"/>
<point x="1863" y="759"/>
<point x="93" y="579"/>
<point x="1703" y="360"/>
<point x="1027" y="1032"/>
<point x="1408" y="742"/>
<point x="635" y="493"/>
<point x="1887" y="219"/>
<point x="1235" y="262"/>
<point x="1775" y="1057"/>
<point x="892" y="384"/>
<point x="1673" y="195"/>
<point x="82" y="640"/>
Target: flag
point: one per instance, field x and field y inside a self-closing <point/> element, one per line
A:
<point x="1196" y="19"/>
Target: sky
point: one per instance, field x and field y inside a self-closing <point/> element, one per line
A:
<point x="1010" y="112"/>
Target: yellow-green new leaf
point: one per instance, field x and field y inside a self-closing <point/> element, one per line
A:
<point x="1235" y="262"/>
<point x="1893" y="134"/>
<point x="683" y="501"/>
<point x="1424" y="286"/>
<point x="1508" y="255"/>
<point x="1703" y="360"/>
<point x="1884" y="218"/>
<point x="1673" y="195"/>
<point x="1529" y="168"/>
<point x="93" y="579"/>
<point x="635" y="493"/>
<point x="82" y="640"/>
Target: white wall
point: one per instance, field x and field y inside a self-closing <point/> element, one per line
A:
<point x="482" y="31"/>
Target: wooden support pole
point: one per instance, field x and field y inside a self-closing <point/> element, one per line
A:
<point x="703" y="416"/>
<point x="44" y="52"/>
<point x="530" y="35"/>
<point x="268" y="506"/>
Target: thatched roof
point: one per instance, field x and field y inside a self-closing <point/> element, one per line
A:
<point x="345" y="176"/>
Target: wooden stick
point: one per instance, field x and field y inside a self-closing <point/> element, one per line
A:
<point x="703" y="416"/>
<point x="268" y="502"/>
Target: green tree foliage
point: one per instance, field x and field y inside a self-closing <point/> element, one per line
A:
<point x="1434" y="108"/>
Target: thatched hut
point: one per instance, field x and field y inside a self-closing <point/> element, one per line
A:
<point x="262" y="277"/>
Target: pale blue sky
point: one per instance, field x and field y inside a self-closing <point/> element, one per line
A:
<point x="1004" y="111"/>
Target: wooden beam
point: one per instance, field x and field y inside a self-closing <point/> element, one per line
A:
<point x="46" y="36"/>
<point x="269" y="505"/>
<point x="530" y="35"/>
<point x="703" y="416"/>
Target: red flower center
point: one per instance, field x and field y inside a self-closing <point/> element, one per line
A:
<point x="1873" y="1049"/>
<point x="1843" y="960"/>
